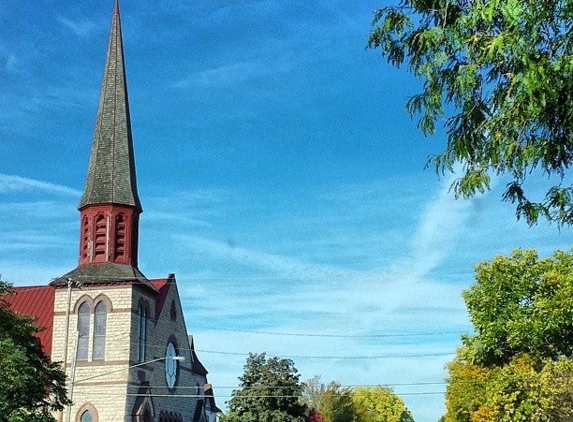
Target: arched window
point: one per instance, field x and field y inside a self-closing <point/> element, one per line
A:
<point x="83" y="331"/>
<point x="99" y="330"/>
<point x="86" y="417"/>
<point x="142" y="315"/>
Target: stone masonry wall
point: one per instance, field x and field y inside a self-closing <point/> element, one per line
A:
<point x="111" y="388"/>
<point x="98" y="384"/>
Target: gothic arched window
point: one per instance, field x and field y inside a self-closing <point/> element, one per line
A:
<point x="83" y="331"/>
<point x="86" y="417"/>
<point x="100" y="330"/>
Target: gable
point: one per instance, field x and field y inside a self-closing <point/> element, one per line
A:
<point x="162" y="285"/>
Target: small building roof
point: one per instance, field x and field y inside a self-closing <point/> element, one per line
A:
<point x="38" y="303"/>
<point x="104" y="273"/>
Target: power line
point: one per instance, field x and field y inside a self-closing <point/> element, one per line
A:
<point x="279" y="387"/>
<point x="333" y="279"/>
<point x="336" y="335"/>
<point x="202" y="396"/>
<point x="338" y="357"/>
<point x="298" y="396"/>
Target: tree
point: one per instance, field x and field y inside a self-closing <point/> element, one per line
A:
<point x="521" y="304"/>
<point x="331" y="400"/>
<point x="523" y="390"/>
<point x="336" y="404"/>
<point x="500" y="72"/>
<point x="557" y="383"/>
<point x="315" y="416"/>
<point x="465" y="391"/>
<point x="379" y="404"/>
<point x="31" y="386"/>
<point x="517" y="366"/>
<point x="270" y="392"/>
<point x="312" y="392"/>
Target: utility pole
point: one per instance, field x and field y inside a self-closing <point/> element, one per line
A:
<point x="72" y="379"/>
<point x="67" y="329"/>
<point x="71" y="282"/>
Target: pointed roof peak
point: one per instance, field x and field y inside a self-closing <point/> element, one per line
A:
<point x="111" y="171"/>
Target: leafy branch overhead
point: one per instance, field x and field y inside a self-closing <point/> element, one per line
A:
<point x="500" y="74"/>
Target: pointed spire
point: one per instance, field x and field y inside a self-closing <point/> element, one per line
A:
<point x="111" y="171"/>
<point x="110" y="207"/>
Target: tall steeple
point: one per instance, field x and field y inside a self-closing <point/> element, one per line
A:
<point x="111" y="172"/>
<point x="110" y="207"/>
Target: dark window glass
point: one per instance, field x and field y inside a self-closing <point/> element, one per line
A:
<point x="141" y="333"/>
<point x="86" y="417"/>
<point x="83" y="331"/>
<point x="99" y="330"/>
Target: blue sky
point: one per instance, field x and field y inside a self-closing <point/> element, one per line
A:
<point x="281" y="180"/>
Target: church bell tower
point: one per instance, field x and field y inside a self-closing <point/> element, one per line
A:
<point x="110" y="207"/>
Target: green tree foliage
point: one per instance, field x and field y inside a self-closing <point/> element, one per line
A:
<point x="336" y="403"/>
<point x="379" y="404"/>
<point x="517" y="366"/>
<point x="31" y="386"/>
<point x="465" y="391"/>
<point x="270" y="392"/>
<point x="331" y="400"/>
<point x="557" y="384"/>
<point x="361" y="404"/>
<point x="521" y="304"/>
<point x="523" y="390"/>
<point x="500" y="75"/>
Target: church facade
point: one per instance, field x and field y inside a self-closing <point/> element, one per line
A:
<point x="121" y="337"/>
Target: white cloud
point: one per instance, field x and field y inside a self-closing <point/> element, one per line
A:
<point x="276" y="264"/>
<point x="309" y="291"/>
<point x="227" y="75"/>
<point x="16" y="183"/>
<point x="81" y="28"/>
<point x="438" y="229"/>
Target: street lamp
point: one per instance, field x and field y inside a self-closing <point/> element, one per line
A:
<point x="73" y="382"/>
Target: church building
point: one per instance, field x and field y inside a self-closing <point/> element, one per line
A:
<point x="121" y="337"/>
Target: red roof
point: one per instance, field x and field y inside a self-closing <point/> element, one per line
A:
<point x="38" y="303"/>
<point x="162" y="285"/>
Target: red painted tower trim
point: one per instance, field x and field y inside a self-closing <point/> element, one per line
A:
<point x="108" y="234"/>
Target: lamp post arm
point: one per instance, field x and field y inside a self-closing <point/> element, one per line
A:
<point x="178" y="358"/>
